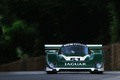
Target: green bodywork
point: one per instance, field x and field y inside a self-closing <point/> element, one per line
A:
<point x="95" y="56"/>
<point x="90" y="61"/>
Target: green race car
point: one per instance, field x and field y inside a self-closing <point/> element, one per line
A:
<point x="74" y="57"/>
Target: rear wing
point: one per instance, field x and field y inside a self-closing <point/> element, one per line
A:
<point x="95" y="46"/>
<point x="57" y="46"/>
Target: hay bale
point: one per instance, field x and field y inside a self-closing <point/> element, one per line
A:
<point x="25" y="64"/>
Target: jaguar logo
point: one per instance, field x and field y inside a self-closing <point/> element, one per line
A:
<point x="75" y="64"/>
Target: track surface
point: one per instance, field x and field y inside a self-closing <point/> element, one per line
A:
<point x="41" y="75"/>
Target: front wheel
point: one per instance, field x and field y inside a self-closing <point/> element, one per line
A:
<point x="96" y="72"/>
<point x="51" y="72"/>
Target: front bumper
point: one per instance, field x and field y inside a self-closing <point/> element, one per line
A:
<point x="74" y="69"/>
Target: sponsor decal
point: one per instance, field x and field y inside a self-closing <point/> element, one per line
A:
<point x="75" y="64"/>
<point x="74" y="44"/>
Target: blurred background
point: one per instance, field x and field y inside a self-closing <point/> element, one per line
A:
<point x="26" y="25"/>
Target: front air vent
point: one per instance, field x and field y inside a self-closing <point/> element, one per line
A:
<point x="75" y="59"/>
<point x="72" y="59"/>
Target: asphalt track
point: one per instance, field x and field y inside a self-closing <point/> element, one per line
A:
<point x="41" y="75"/>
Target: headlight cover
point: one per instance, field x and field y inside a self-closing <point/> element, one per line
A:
<point x="52" y="65"/>
<point x="98" y="65"/>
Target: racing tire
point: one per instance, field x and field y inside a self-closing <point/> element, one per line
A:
<point x="98" y="72"/>
<point x="51" y="72"/>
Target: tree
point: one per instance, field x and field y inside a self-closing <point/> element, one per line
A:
<point x="29" y="24"/>
<point x="1" y="31"/>
<point x="115" y="23"/>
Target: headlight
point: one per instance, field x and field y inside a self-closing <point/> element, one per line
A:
<point x="98" y="65"/>
<point x="52" y="65"/>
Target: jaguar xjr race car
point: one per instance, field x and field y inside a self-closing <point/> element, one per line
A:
<point x="74" y="57"/>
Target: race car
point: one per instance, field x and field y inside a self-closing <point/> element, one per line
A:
<point x="74" y="57"/>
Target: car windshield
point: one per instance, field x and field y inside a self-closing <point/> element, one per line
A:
<point x="75" y="50"/>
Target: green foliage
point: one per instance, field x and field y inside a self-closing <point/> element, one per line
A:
<point x="21" y="54"/>
<point x="7" y="52"/>
<point x="26" y="25"/>
<point x="22" y="35"/>
<point x="115" y="23"/>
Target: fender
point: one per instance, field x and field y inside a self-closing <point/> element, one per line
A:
<point x="97" y="57"/>
<point x="51" y="57"/>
